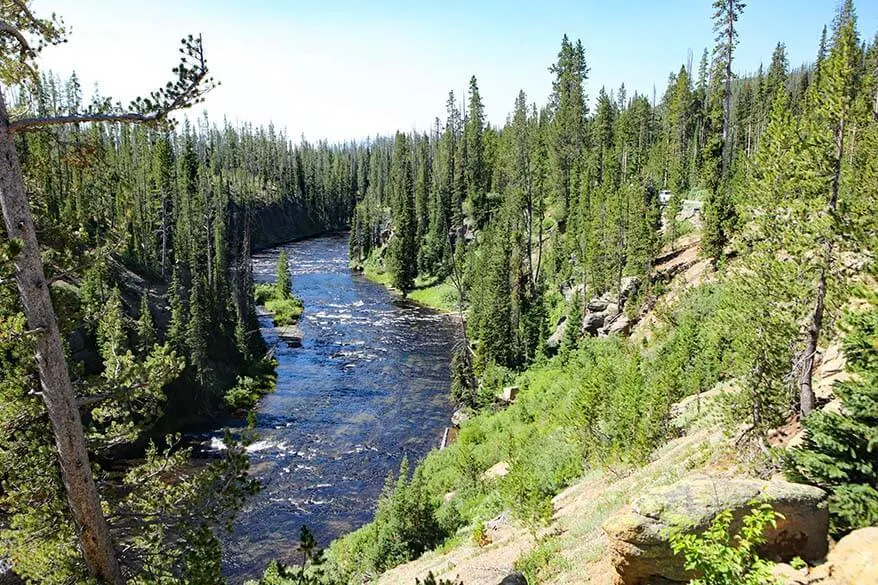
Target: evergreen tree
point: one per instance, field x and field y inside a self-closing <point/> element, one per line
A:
<point x="283" y="284"/>
<point x="474" y="144"/>
<point x="176" y="335"/>
<point x="197" y="332"/>
<point x="403" y="251"/>
<point x="839" y="450"/>
<point x="568" y="124"/>
<point x="146" y="336"/>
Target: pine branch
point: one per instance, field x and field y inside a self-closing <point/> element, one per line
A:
<point x="190" y="88"/>
<point x="7" y="28"/>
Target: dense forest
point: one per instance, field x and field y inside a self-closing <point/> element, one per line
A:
<point x="145" y="231"/>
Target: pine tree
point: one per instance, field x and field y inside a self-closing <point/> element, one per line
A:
<point x="474" y="144"/>
<point x="197" y="332"/>
<point x="568" y="124"/>
<point x="146" y="336"/>
<point x="839" y="450"/>
<point x="176" y="335"/>
<point x="836" y="111"/>
<point x="725" y="17"/>
<point x="403" y="251"/>
<point x="283" y="284"/>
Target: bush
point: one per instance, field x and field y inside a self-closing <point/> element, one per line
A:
<point x="263" y="292"/>
<point x="285" y="309"/>
<point x="718" y="561"/>
<point x="405" y="526"/>
<point x="285" y="312"/>
<point x="244" y="394"/>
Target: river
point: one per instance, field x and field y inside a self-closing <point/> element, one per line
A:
<point x="368" y="387"/>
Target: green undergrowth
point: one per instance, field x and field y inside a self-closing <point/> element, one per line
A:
<point x="439" y="294"/>
<point x="285" y="310"/>
<point x="252" y="386"/>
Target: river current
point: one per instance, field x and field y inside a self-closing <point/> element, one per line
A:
<point x="368" y="386"/>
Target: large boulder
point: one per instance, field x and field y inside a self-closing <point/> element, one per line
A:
<point x="853" y="561"/>
<point x="593" y="322"/>
<point x="597" y="305"/>
<point x="627" y="286"/>
<point x="554" y="340"/>
<point x="639" y="534"/>
<point x="620" y="325"/>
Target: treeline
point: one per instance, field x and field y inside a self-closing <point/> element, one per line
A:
<point x="563" y="198"/>
<point x="559" y="195"/>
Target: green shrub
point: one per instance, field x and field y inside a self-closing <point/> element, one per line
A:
<point x="540" y="563"/>
<point x="285" y="312"/>
<point x="263" y="292"/>
<point x="720" y="559"/>
<point x="430" y="579"/>
<point x="405" y="525"/>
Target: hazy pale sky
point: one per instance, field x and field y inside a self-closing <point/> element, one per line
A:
<point x="341" y="69"/>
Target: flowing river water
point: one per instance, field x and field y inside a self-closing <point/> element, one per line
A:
<point x="368" y="387"/>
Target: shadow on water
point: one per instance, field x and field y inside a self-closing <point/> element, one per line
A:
<point x="368" y="386"/>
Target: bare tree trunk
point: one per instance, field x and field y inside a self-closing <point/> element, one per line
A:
<point x="806" y="388"/>
<point x="57" y="391"/>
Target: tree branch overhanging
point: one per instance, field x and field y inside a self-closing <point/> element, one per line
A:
<point x="190" y="88"/>
<point x="10" y="30"/>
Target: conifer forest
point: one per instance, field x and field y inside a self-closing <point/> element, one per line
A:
<point x="583" y="315"/>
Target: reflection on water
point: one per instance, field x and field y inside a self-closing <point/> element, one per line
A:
<point x="368" y="386"/>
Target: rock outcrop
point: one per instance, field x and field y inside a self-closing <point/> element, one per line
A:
<point x="853" y="561"/>
<point x="514" y="579"/>
<point x="639" y="534"/>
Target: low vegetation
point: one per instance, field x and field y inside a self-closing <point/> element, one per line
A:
<point x="278" y="298"/>
<point x="719" y="559"/>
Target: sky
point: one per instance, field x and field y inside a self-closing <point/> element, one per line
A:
<point x="347" y="69"/>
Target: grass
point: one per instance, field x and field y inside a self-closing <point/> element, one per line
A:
<point x="285" y="311"/>
<point x="428" y="291"/>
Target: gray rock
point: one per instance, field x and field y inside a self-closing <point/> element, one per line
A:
<point x="627" y="286"/>
<point x="460" y="416"/>
<point x="7" y="575"/>
<point x="592" y="322"/>
<point x="596" y="305"/>
<point x="639" y="535"/>
<point x="621" y="325"/>
<point x="510" y="393"/>
<point x="554" y="340"/>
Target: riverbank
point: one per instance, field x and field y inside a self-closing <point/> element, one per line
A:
<point x="440" y="295"/>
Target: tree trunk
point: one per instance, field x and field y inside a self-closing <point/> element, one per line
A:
<point x="806" y="388"/>
<point x="57" y="391"/>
